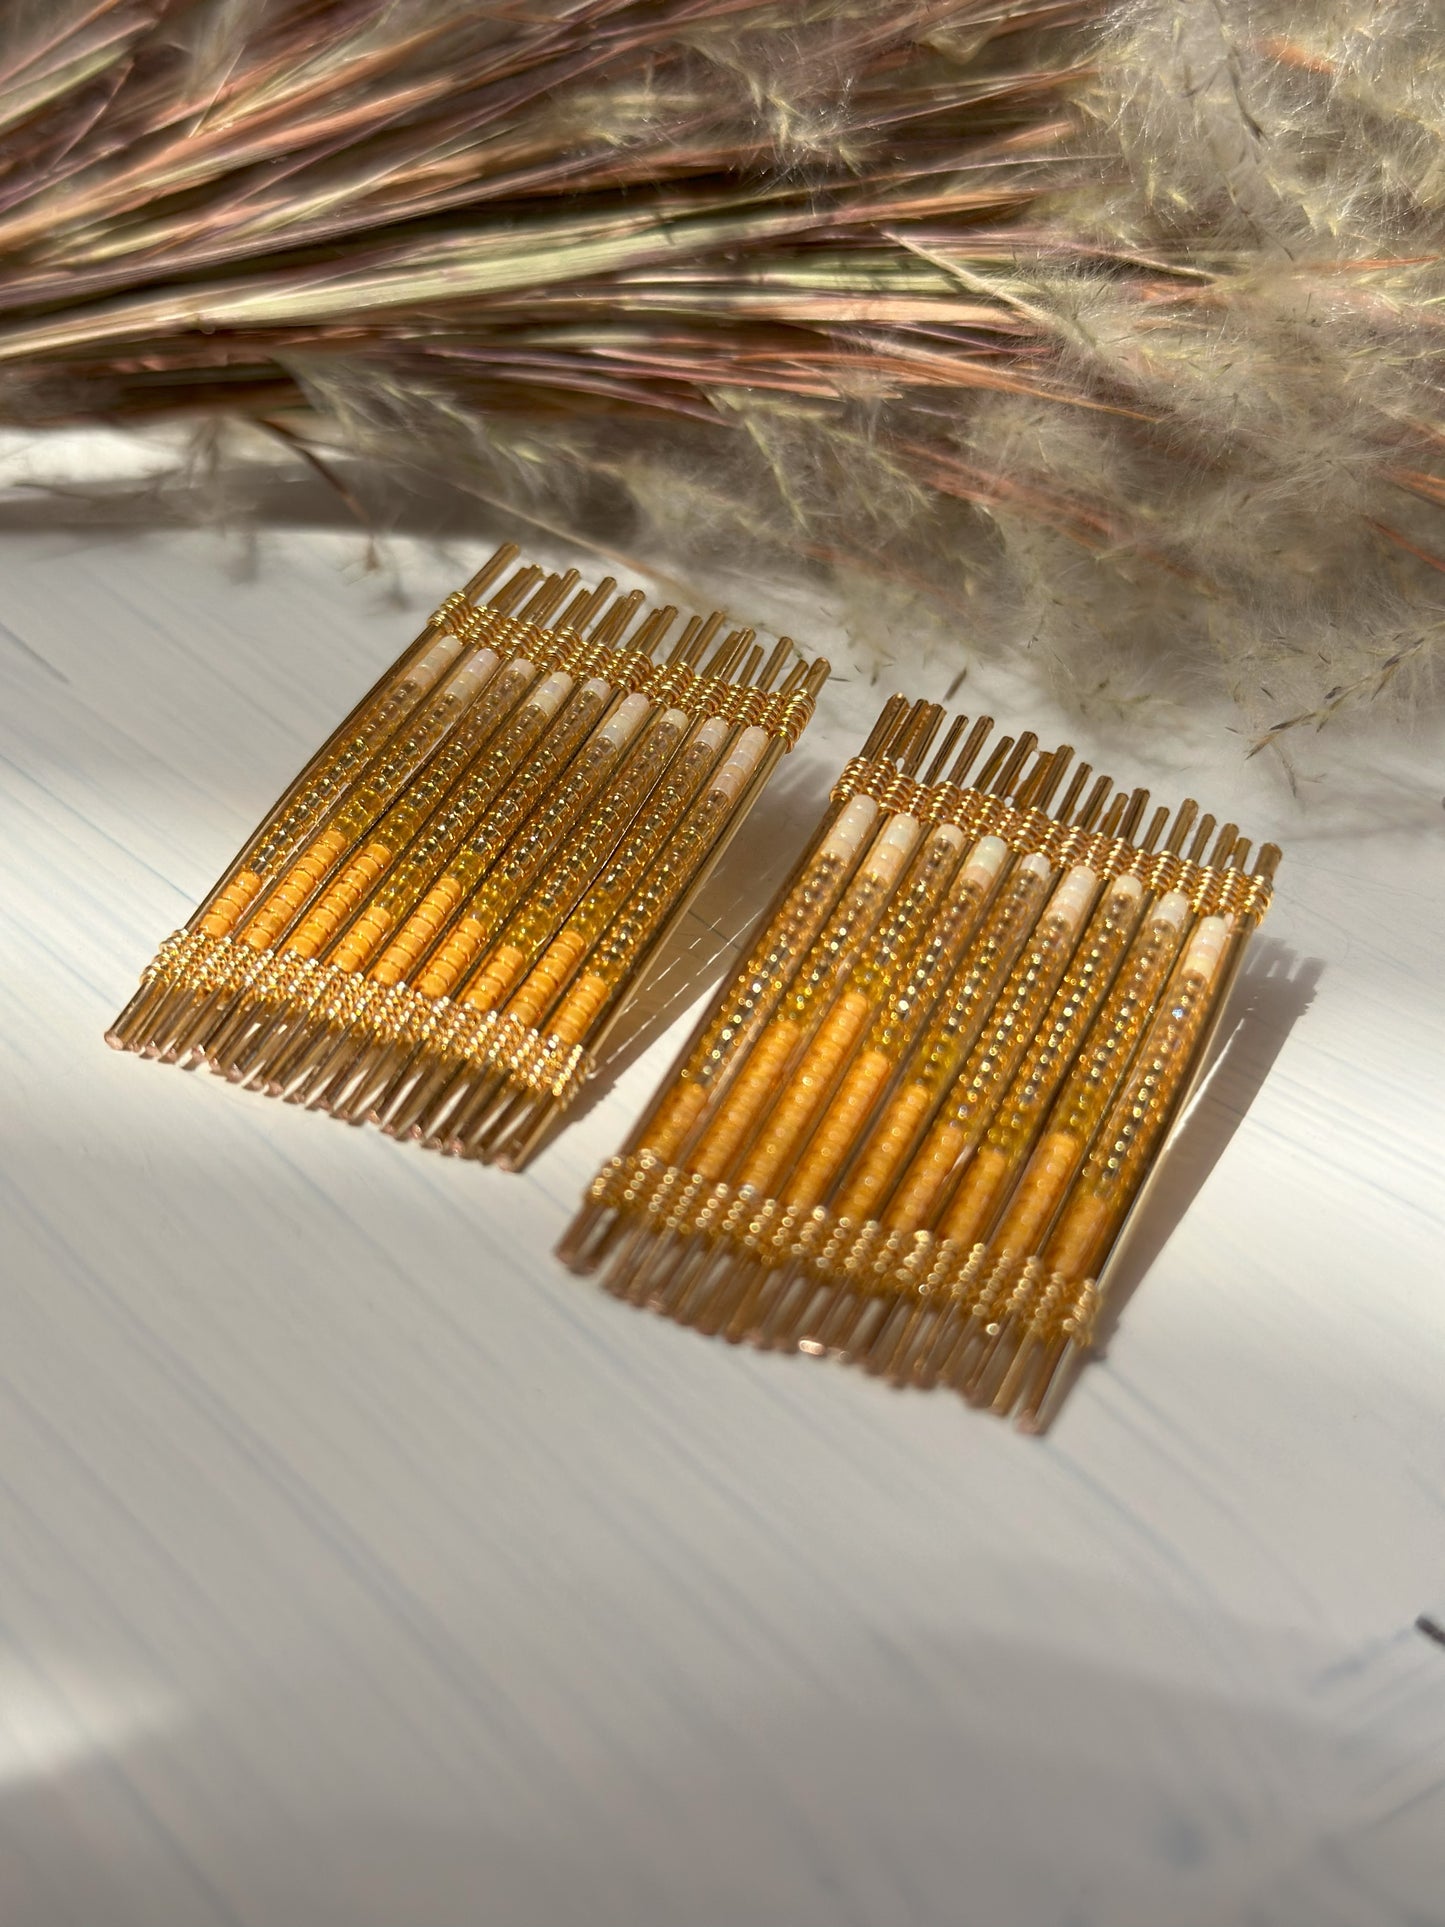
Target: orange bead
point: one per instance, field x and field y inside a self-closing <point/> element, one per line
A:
<point x="675" y="1121"/>
<point x="810" y="1084"/>
<point x="355" y="883"/>
<point x="580" y="1008"/>
<point x="504" y="967"/>
<point x="294" y="889"/>
<point x="973" y="1204"/>
<point x="1075" y="1248"/>
<point x="886" y="1151"/>
<point x="455" y="956"/>
<point x="923" y="1182"/>
<point x="838" y="1132"/>
<point x="547" y="976"/>
<point x="363" y="939"/>
<point x="417" y="934"/>
<point x="747" y="1099"/>
<point x="842" y="1026"/>
<point x="232" y="904"/>
<point x="1041" y="1190"/>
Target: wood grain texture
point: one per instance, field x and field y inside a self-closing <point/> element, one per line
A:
<point x="357" y="1566"/>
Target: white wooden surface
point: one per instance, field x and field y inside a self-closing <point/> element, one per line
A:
<point x="358" y="1566"/>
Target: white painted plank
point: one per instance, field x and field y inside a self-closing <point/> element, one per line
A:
<point x="358" y="1566"/>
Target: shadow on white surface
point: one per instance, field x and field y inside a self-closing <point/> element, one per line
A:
<point x="843" y="1795"/>
<point x="1274" y="990"/>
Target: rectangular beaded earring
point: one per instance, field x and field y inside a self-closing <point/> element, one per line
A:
<point x="440" y="920"/>
<point x="912" y="1128"/>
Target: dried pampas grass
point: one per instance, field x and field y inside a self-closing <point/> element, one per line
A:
<point x="1108" y="332"/>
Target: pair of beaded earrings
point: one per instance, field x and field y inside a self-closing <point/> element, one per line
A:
<point x="911" y="1128"/>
